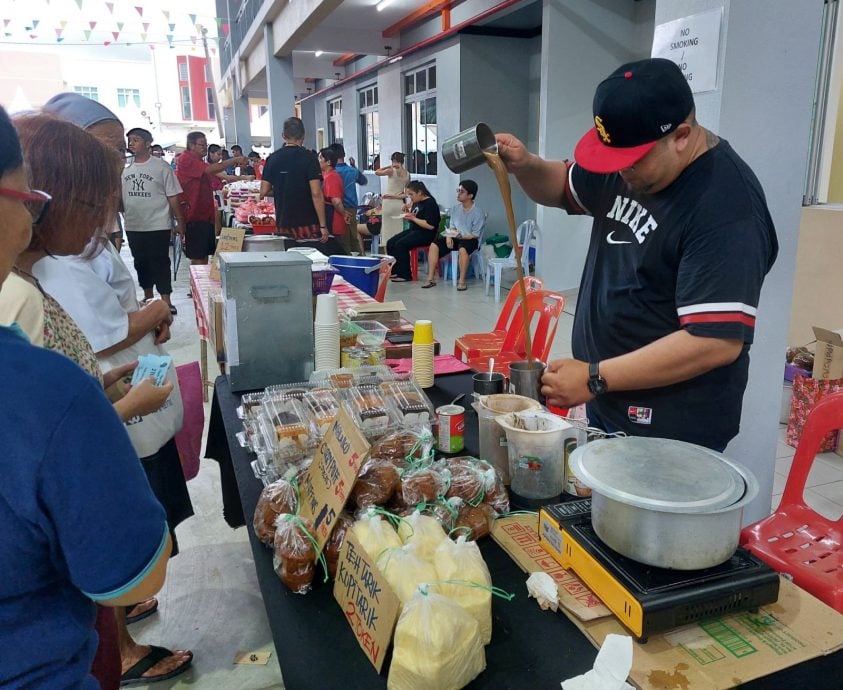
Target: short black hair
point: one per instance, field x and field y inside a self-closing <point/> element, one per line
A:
<point x="144" y="134"/>
<point x="330" y="155"/>
<point x="157" y="147"/>
<point x="339" y="148"/>
<point x="193" y="137"/>
<point x="470" y="187"/>
<point x="253" y="154"/>
<point x="398" y="157"/>
<point x="11" y="155"/>
<point x="213" y="148"/>
<point x="237" y="147"/>
<point x="293" y="129"/>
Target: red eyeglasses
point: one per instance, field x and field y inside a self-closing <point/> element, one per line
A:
<point x="35" y="200"/>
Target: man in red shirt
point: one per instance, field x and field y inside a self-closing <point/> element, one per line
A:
<point x="332" y="190"/>
<point x="196" y="179"/>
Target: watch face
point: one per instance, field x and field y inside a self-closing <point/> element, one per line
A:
<point x="597" y="386"/>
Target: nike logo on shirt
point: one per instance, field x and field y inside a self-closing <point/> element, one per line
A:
<point x="611" y="241"/>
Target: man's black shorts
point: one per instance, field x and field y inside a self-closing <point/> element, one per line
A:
<point x="199" y="240"/>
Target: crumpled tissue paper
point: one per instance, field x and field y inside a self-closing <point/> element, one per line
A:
<point x="542" y="587"/>
<point x="611" y="667"/>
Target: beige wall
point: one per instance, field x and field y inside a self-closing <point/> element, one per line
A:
<point x="818" y="283"/>
<point x="835" y="180"/>
<point x="36" y="75"/>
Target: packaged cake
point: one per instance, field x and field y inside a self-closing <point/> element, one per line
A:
<point x="404" y="447"/>
<point x="334" y="544"/>
<point x="409" y="404"/>
<point x="369" y="410"/>
<point x="289" y="426"/>
<point x="294" y="552"/>
<point x="322" y="407"/>
<point x="275" y="499"/>
<point x="376" y="482"/>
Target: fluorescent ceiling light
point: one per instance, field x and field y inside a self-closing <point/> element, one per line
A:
<point x="396" y="59"/>
<point x="317" y="53"/>
<point x="382" y="4"/>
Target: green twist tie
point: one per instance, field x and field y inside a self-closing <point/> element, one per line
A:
<point x="394" y="519"/>
<point x="465" y="530"/>
<point x="495" y="591"/>
<point x="296" y="520"/>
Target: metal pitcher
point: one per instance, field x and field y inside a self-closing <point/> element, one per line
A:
<point x="466" y="150"/>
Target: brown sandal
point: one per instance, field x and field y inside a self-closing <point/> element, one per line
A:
<point x="462" y="288"/>
<point x="429" y="284"/>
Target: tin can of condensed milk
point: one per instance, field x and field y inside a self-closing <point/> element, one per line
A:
<point x="451" y="435"/>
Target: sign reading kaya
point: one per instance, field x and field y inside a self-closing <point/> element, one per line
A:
<point x="326" y="484"/>
<point x="692" y="43"/>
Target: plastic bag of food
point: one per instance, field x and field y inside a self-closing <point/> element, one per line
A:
<point x="445" y="511"/>
<point x="376" y="482"/>
<point x="422" y="486"/>
<point x="424" y="532"/>
<point x="404" y="446"/>
<point x="459" y="563"/>
<point x="496" y="494"/>
<point x="437" y="645"/>
<point x="334" y="544"/>
<point x="375" y="534"/>
<point x="405" y="569"/>
<point x="475" y="522"/>
<point x="467" y="480"/>
<point x="295" y="552"/>
<point x="275" y="499"/>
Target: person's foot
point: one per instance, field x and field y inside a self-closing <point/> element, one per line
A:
<point x="173" y="309"/>
<point x="141" y="610"/>
<point x="429" y="284"/>
<point x="150" y="664"/>
<point x="462" y="287"/>
<point x="399" y="279"/>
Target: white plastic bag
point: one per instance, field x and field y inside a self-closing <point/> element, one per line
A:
<point x="375" y="534"/>
<point x="405" y="570"/>
<point x="423" y="531"/>
<point x="462" y="562"/>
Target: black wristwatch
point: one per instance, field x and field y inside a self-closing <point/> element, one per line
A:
<point x="596" y="383"/>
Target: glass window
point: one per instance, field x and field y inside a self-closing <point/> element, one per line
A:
<point x="182" y="71"/>
<point x="186" y="110"/>
<point x="335" y="121"/>
<point x="127" y="96"/>
<point x="212" y="109"/>
<point x="89" y="91"/>
<point x="370" y="143"/>
<point x="420" y="134"/>
<point x="209" y="76"/>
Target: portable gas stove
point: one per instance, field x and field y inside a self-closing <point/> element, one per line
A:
<point x="649" y="600"/>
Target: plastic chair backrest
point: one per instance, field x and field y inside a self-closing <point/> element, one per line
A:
<point x="524" y="235"/>
<point x="513" y="301"/>
<point x="544" y="308"/>
<point x="826" y="416"/>
<point x="385" y="270"/>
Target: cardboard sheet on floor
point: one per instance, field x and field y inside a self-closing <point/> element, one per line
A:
<point x="714" y="654"/>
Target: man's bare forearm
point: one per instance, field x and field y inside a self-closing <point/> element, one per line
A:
<point x="543" y="181"/>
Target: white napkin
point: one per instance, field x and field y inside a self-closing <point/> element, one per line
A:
<point x="542" y="587"/>
<point x="611" y="667"/>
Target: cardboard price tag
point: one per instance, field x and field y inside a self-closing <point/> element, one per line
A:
<point x="252" y="658"/>
<point x="230" y="240"/>
<point x="367" y="601"/>
<point x="325" y="485"/>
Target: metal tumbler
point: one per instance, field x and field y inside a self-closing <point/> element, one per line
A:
<point x="489" y="383"/>
<point x="466" y="150"/>
<point x="526" y="380"/>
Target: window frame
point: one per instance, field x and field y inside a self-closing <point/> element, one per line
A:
<point x="369" y="117"/>
<point x="186" y="114"/>
<point x="417" y="103"/>
<point x="127" y="95"/>
<point x="335" y="127"/>
<point x="91" y="92"/>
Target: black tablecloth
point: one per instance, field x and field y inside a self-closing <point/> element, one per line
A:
<point x="530" y="648"/>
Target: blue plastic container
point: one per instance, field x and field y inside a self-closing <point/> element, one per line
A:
<point x="361" y="271"/>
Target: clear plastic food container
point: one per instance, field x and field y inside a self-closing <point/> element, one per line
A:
<point x="285" y="427"/>
<point x="369" y="410"/>
<point x="322" y="407"/>
<point x="409" y="405"/>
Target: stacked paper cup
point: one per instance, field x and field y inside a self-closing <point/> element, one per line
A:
<point x="326" y="330"/>
<point x="423" y="353"/>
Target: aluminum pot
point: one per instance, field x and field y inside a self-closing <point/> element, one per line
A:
<point x="683" y="516"/>
<point x="263" y="243"/>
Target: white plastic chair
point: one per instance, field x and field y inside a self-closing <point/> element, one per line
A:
<point x="524" y="234"/>
<point x="376" y="244"/>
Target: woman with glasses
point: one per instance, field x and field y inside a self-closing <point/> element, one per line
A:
<point x="67" y="540"/>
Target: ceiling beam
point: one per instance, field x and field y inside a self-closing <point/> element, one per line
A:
<point x="424" y="12"/>
<point x="345" y="59"/>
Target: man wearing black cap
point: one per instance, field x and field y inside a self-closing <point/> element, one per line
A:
<point x="680" y="244"/>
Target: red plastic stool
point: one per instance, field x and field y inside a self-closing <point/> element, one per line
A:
<point x="795" y="539"/>
<point x="414" y="261"/>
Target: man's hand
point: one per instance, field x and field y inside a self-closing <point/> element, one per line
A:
<point x="325" y="236"/>
<point x="112" y="376"/>
<point x="514" y="154"/>
<point x="565" y="383"/>
<point x="146" y="398"/>
<point x="179" y="227"/>
<point x="162" y="332"/>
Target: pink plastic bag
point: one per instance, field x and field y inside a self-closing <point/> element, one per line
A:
<point x="442" y="364"/>
<point x="189" y="438"/>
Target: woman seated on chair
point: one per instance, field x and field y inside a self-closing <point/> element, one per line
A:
<point x="462" y="234"/>
<point x="423" y="218"/>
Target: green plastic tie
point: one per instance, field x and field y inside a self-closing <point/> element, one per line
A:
<point x="495" y="591"/>
<point x="296" y="520"/>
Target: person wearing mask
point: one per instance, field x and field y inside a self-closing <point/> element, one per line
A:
<point x="196" y="178"/>
<point x="62" y="444"/>
<point x="466" y="221"/>
<point x="423" y="217"/>
<point x="351" y="177"/>
<point x="293" y="177"/>
<point x="680" y="244"/>
<point x="151" y="213"/>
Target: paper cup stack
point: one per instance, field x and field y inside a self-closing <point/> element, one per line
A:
<point x="423" y="353"/>
<point x="326" y="331"/>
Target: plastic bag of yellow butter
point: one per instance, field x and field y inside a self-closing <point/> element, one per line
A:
<point x="375" y="534"/>
<point x="423" y="531"/>
<point x="437" y="645"/>
<point x="464" y="577"/>
<point x="405" y="570"/>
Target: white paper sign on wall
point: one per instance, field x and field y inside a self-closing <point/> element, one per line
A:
<point x="692" y="43"/>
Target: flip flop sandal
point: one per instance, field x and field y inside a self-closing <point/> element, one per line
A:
<point x="173" y="309"/>
<point x="134" y="676"/>
<point x="399" y="279"/>
<point x="462" y="288"/>
<point x="429" y="284"/>
<point x="143" y="614"/>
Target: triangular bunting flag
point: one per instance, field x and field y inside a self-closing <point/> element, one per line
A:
<point x="110" y="6"/>
<point x="63" y="23"/>
<point x="172" y="27"/>
<point x="143" y="38"/>
<point x="170" y="39"/>
<point x="106" y="43"/>
<point x="214" y="51"/>
<point x="219" y="22"/>
<point x="193" y="40"/>
<point x="35" y="23"/>
<point x="146" y="26"/>
<point x="79" y="2"/>
<point x="93" y="25"/>
<point x="192" y="19"/>
<point x="33" y="36"/>
<point x="6" y="22"/>
<point x="116" y="34"/>
<point x="59" y="39"/>
<point x="151" y="46"/>
<point x="166" y="14"/>
<point x="58" y="32"/>
<point x="88" y="34"/>
<point x="225" y="29"/>
<point x="120" y="26"/>
<point x="139" y="9"/>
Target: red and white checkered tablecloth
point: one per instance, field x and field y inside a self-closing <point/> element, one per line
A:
<point x="201" y="284"/>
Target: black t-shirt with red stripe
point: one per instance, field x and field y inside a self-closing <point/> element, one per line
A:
<point x="692" y="256"/>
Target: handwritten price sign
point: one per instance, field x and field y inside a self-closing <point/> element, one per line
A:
<point x="369" y="604"/>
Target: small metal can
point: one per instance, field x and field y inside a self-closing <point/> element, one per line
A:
<point x="375" y="355"/>
<point x="451" y="434"/>
<point x="352" y="358"/>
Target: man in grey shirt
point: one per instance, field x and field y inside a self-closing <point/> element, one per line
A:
<point x="465" y="227"/>
<point x="151" y="196"/>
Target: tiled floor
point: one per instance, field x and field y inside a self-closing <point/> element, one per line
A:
<point x="211" y="602"/>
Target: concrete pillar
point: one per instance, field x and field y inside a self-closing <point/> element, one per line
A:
<point x="242" y="128"/>
<point x="280" y="88"/>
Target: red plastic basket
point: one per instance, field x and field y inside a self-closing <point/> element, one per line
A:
<point x="322" y="280"/>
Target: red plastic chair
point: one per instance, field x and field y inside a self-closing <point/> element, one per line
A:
<point x="414" y="261"/>
<point x="474" y="345"/>
<point x="544" y="308"/>
<point x="387" y="262"/>
<point x="795" y="539"/>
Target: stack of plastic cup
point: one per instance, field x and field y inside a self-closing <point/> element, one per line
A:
<point x="423" y="353"/>
<point x="326" y="331"/>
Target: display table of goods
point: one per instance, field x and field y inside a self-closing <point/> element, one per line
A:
<point x="416" y="515"/>
<point x="248" y="209"/>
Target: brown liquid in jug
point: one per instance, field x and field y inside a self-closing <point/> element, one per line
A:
<point x="498" y="167"/>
